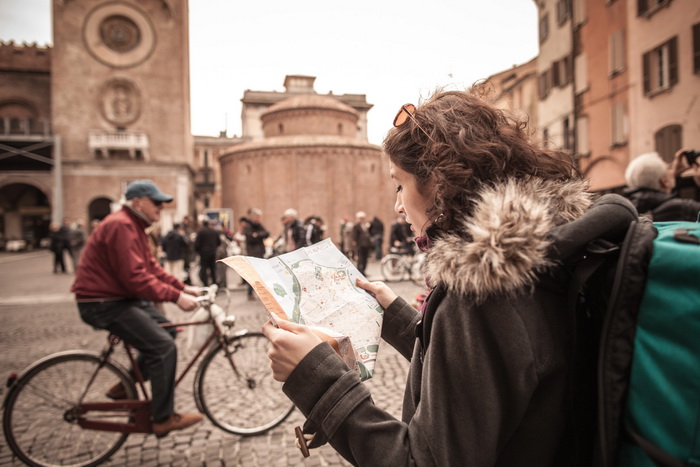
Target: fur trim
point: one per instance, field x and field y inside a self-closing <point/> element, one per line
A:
<point x="509" y="237"/>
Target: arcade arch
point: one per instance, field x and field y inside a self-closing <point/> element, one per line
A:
<point x="25" y="214"/>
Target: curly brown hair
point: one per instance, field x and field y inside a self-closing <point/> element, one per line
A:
<point x="471" y="144"/>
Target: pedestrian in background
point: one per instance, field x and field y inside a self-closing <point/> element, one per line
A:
<point x="56" y="246"/>
<point x="294" y="232"/>
<point x="175" y="246"/>
<point x="376" y="230"/>
<point x="314" y="230"/>
<point x="65" y="233"/>
<point x="491" y="352"/>
<point x="255" y="234"/>
<point x="651" y="184"/>
<point x="77" y="242"/>
<point x="361" y="240"/>
<point x="205" y="244"/>
<point x="401" y="237"/>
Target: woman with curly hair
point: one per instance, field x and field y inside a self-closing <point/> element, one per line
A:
<point x="492" y="362"/>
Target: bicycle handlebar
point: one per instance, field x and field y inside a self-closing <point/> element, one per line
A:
<point x="208" y="295"/>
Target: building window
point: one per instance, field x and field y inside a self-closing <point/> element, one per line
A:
<point x="563" y="11"/>
<point x="561" y="72"/>
<point x="544" y="84"/>
<point x="668" y="140"/>
<point x="617" y="52"/>
<point x="568" y="139"/>
<point x="661" y="67"/>
<point x="544" y="28"/>
<point x="619" y="125"/>
<point x="649" y="7"/>
<point x="696" y="48"/>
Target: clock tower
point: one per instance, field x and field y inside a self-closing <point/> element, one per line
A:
<point x="120" y="103"/>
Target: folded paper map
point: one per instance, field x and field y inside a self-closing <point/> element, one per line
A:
<point x="315" y="286"/>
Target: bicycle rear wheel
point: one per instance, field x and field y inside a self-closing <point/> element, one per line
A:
<point x="40" y="418"/>
<point x="246" y="402"/>
<point x="392" y="268"/>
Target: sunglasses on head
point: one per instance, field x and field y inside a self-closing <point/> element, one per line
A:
<point x="405" y="112"/>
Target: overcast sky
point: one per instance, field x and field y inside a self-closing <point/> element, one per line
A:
<point x="393" y="51"/>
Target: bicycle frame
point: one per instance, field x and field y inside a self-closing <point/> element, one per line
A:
<point x="140" y="409"/>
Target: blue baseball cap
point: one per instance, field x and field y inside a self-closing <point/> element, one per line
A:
<point x="146" y="189"/>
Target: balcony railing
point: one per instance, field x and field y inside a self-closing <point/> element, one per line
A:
<point x="103" y="145"/>
<point x="24" y="127"/>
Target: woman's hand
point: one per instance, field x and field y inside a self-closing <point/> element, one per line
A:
<point x="289" y="344"/>
<point x="379" y="290"/>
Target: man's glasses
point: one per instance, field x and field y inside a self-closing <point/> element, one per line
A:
<point x="405" y="112"/>
<point x="156" y="203"/>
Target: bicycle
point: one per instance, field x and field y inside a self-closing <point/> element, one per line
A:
<point x="56" y="412"/>
<point x="396" y="266"/>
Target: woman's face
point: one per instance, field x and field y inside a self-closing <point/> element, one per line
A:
<point x="410" y="201"/>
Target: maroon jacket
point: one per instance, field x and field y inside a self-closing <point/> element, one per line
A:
<point x="117" y="263"/>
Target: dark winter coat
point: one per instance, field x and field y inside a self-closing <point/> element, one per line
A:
<point x="663" y="207"/>
<point x="487" y="383"/>
<point x="255" y="234"/>
<point x="206" y="242"/>
<point x="175" y="246"/>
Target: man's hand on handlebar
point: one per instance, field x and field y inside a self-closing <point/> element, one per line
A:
<point x="196" y="291"/>
<point x="187" y="302"/>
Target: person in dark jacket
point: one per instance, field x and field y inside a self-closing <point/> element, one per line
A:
<point x="255" y="235"/>
<point x="116" y="286"/>
<point x="57" y="240"/>
<point x="294" y="234"/>
<point x="401" y="237"/>
<point x="650" y="187"/>
<point x="376" y="230"/>
<point x="361" y="240"/>
<point x="205" y="244"/>
<point x="500" y="220"/>
<point x="175" y="246"/>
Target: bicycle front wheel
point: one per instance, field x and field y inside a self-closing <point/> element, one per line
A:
<point x="40" y="418"/>
<point x="392" y="268"/>
<point x="245" y="401"/>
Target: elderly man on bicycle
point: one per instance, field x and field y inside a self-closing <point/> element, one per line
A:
<point x="116" y="286"/>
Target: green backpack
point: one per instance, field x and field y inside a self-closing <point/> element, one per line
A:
<point x="662" y="411"/>
<point x="648" y="347"/>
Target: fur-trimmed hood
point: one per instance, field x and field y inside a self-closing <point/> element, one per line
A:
<point x="510" y="234"/>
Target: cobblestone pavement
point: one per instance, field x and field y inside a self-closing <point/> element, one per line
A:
<point x="39" y="317"/>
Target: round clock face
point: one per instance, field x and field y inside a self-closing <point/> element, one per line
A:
<point x="119" y="35"/>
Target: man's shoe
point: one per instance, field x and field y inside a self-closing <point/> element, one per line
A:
<point x="117" y="392"/>
<point x="176" y="421"/>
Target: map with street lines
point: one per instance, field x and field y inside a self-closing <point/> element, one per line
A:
<point x="315" y="286"/>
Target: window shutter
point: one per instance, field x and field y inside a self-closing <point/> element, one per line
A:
<point x="673" y="61"/>
<point x="642" y="7"/>
<point x="646" y="73"/>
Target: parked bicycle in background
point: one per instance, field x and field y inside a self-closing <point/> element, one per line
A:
<point x="400" y="265"/>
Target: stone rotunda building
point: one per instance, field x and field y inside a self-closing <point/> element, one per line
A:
<point x="311" y="160"/>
